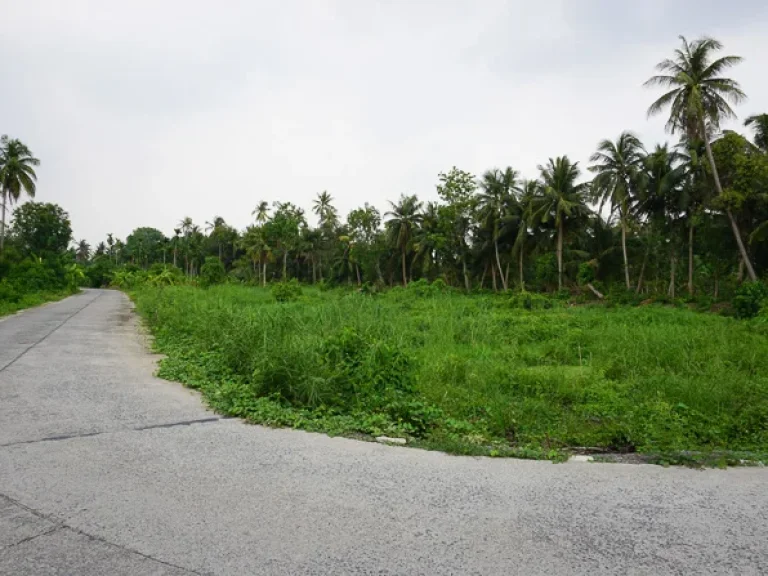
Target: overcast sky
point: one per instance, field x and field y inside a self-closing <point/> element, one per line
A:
<point x="144" y="112"/>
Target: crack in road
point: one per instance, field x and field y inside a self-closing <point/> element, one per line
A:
<point x="135" y="429"/>
<point x="41" y="340"/>
<point x="62" y="525"/>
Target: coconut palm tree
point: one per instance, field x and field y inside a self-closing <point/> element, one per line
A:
<point x="619" y="172"/>
<point x="660" y="202"/>
<point x="261" y="212"/>
<point x="404" y="218"/>
<point x="561" y="200"/>
<point x="83" y="251"/>
<point x="216" y="230"/>
<point x="17" y="175"/>
<point x="526" y="205"/>
<point x="322" y="207"/>
<point x="760" y="124"/>
<point x="499" y="189"/>
<point x="698" y="99"/>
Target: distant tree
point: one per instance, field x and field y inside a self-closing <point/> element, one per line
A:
<point x="561" y="200"/>
<point x="698" y="100"/>
<point x="17" y="175"/>
<point x="499" y="189"/>
<point x="618" y="168"/>
<point x="403" y="220"/>
<point x="145" y="246"/>
<point x="261" y="212"/>
<point x="456" y="190"/>
<point x="83" y="251"/>
<point x="322" y="206"/>
<point x="41" y="228"/>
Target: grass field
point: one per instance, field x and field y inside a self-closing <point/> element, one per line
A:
<point x="470" y="374"/>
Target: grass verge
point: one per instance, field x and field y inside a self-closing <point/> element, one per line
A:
<point x="30" y="300"/>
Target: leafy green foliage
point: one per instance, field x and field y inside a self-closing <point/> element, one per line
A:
<point x="470" y="374"/>
<point x="750" y="298"/>
<point x="288" y="291"/>
<point x="212" y="272"/>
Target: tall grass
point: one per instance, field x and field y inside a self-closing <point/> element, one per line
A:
<point x="469" y="371"/>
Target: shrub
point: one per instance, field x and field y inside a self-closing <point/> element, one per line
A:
<point x="750" y="297"/>
<point x="286" y="291"/>
<point x="212" y="272"/>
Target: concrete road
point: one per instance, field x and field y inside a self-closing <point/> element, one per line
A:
<point x="106" y="470"/>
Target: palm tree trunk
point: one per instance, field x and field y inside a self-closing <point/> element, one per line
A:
<point x="264" y="274"/>
<point x="498" y="263"/>
<point x="314" y="271"/>
<point x="734" y="225"/>
<point x="405" y="277"/>
<point x="378" y="271"/>
<point x="690" y="256"/>
<point x="2" y="222"/>
<point x="522" y="278"/>
<point x="717" y="285"/>
<point x="493" y="278"/>
<point x="624" y="250"/>
<point x="671" y="291"/>
<point x="174" y="257"/>
<point x="320" y="266"/>
<point x="466" y="275"/>
<point x="357" y="270"/>
<point x="560" y="256"/>
<point x="285" y="264"/>
<point x="642" y="269"/>
<point x="506" y="276"/>
<point x="482" y="278"/>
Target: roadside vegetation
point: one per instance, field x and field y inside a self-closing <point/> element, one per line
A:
<point x="514" y="374"/>
<point x="35" y="263"/>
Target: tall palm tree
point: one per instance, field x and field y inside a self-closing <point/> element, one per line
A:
<point x="760" y="123"/>
<point x="660" y="201"/>
<point x="526" y="205"/>
<point x="83" y="251"/>
<point x="216" y="228"/>
<point x="322" y="206"/>
<point x="562" y="199"/>
<point x="619" y="171"/>
<point x="111" y="245"/>
<point x="404" y="218"/>
<point x="17" y="174"/>
<point x="261" y="212"/>
<point x="698" y="100"/>
<point x="499" y="190"/>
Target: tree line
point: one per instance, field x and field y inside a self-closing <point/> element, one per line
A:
<point x="644" y="218"/>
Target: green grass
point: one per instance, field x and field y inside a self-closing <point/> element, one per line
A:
<point x="471" y="374"/>
<point x="30" y="300"/>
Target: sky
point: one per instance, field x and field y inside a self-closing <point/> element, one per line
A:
<point x="145" y="112"/>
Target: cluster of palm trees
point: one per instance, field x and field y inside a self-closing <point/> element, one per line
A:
<point x="640" y="207"/>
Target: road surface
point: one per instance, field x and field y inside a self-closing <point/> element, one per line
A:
<point x="105" y="469"/>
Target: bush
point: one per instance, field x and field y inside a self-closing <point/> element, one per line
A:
<point x="286" y="291"/>
<point x="750" y="297"/>
<point x="212" y="272"/>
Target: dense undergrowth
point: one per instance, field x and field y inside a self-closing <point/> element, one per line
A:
<point x="497" y="375"/>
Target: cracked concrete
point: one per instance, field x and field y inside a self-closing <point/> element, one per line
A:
<point x="105" y="469"/>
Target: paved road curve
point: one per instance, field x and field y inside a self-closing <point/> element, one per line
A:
<point x="105" y="469"/>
